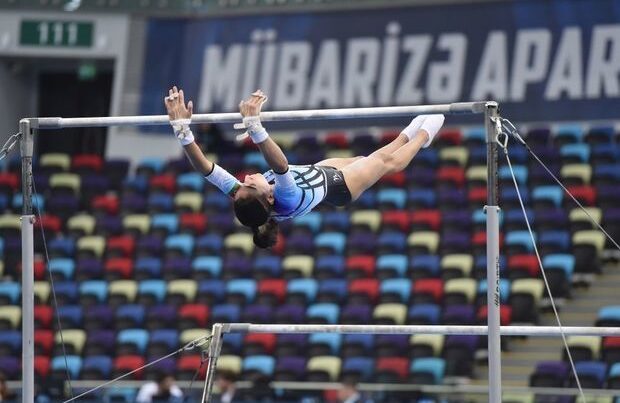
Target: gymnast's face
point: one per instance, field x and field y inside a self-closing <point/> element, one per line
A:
<point x="256" y="186"/>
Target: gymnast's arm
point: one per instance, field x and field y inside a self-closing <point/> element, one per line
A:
<point x="180" y="117"/>
<point x="250" y="110"/>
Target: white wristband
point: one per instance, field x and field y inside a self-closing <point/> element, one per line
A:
<point x="255" y="129"/>
<point x="182" y="131"/>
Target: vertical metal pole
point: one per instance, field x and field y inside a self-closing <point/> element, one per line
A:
<point x="214" y="353"/>
<point x="27" y="221"/>
<point x="493" y="297"/>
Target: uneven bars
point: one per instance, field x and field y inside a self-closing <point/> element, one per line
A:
<point x="422" y="329"/>
<point x="346" y="113"/>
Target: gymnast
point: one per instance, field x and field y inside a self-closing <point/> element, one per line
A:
<point x="287" y="191"/>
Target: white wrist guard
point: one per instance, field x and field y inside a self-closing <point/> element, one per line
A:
<point x="182" y="131"/>
<point x="255" y="129"/>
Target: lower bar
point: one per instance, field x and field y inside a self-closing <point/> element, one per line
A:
<point x="493" y="304"/>
<point x="549" y="331"/>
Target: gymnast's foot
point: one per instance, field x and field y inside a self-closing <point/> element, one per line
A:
<point x="424" y="123"/>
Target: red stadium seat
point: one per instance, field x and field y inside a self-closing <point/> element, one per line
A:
<point x="337" y="140"/>
<point x="366" y="288"/>
<point x="267" y="342"/>
<point x="119" y="267"/>
<point x="43" y="341"/>
<point x="195" y="314"/>
<point x="397" y="179"/>
<point x="187" y="366"/>
<point x="124" y="245"/>
<point x="39" y="269"/>
<point x="395" y="365"/>
<point x="426" y="219"/>
<point x="584" y="193"/>
<point x="505" y="314"/>
<point x="87" y="162"/>
<point x="43" y="315"/>
<point x="477" y="195"/>
<point x="451" y="175"/>
<point x="9" y="181"/>
<point x="51" y="223"/>
<point x="432" y="287"/>
<point x="396" y="219"/>
<point x="523" y="266"/>
<point x="106" y="203"/>
<point x="275" y="287"/>
<point x="196" y="223"/>
<point x="360" y="266"/>
<point x="449" y="137"/>
<point x="41" y="366"/>
<point x="127" y="363"/>
<point x="165" y="182"/>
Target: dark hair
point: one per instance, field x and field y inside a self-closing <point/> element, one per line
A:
<point x="266" y="235"/>
<point x="251" y="212"/>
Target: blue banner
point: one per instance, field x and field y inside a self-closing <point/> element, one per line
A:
<point x="541" y="60"/>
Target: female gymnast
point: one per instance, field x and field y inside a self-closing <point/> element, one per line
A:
<point x="287" y="191"/>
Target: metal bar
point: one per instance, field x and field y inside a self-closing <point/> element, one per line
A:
<point x="493" y="297"/>
<point x="27" y="234"/>
<point x="346" y="113"/>
<point x="547" y="331"/>
<point x="214" y="353"/>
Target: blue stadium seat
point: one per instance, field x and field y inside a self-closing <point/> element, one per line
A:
<point x="392" y="266"/>
<point x="332" y="266"/>
<point x="520" y="239"/>
<point x="520" y="171"/>
<point x="508" y="195"/>
<point x="154" y="164"/>
<point x="191" y="181"/>
<point x="323" y="313"/>
<point x="73" y="364"/>
<point x="424" y="313"/>
<point x="504" y="289"/>
<point x="336" y="289"/>
<point x="216" y="200"/>
<point x="210" y="242"/>
<point x="396" y="286"/>
<point x="334" y="241"/>
<point x="9" y="293"/>
<point x="305" y="286"/>
<point x="268" y="266"/>
<point x="62" y="246"/>
<point x="124" y="395"/>
<point x="311" y="220"/>
<point x="475" y="135"/>
<point x="362" y="366"/>
<point x="368" y="199"/>
<point x="422" y="197"/>
<point x="181" y="242"/>
<point x="559" y="240"/>
<point x="160" y="202"/>
<point x="11" y="340"/>
<point x="563" y="262"/>
<point x="514" y="217"/>
<point x="392" y="241"/>
<point x="549" y="194"/>
<point x="97" y="367"/>
<point x="426" y="265"/>
<point x="392" y="198"/>
<point x="208" y="264"/>
<point x="38" y="202"/>
<point x="607" y="171"/>
<point x="332" y="340"/>
<point x="65" y="267"/>
<point x="576" y="152"/>
<point x="244" y="287"/>
<point x="130" y="315"/>
<point x="67" y="291"/>
<point x="435" y="367"/>
<point x="366" y="341"/>
<point x="156" y="289"/>
<point x="167" y="337"/>
<point x="569" y="133"/>
<point x="265" y="364"/>
<point x="609" y="313"/>
<point x="591" y="374"/>
<point x="148" y="267"/>
<point x="213" y="289"/>
<point x="139" y="338"/>
<point x="138" y="184"/>
<point x="169" y="222"/>
<point x="226" y="313"/>
<point x="428" y="157"/>
<point x="71" y="316"/>
<point x="336" y="221"/>
<point x="95" y="288"/>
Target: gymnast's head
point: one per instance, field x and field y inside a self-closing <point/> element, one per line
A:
<point x="253" y="203"/>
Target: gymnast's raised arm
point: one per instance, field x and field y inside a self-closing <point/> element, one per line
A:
<point x="250" y="110"/>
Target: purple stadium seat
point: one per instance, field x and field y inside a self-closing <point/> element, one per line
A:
<point x="237" y="266"/>
<point x="257" y="314"/>
<point x="455" y="242"/>
<point x="133" y="203"/>
<point x="221" y="223"/>
<point x="149" y="245"/>
<point x="100" y="342"/>
<point x="361" y="242"/>
<point x="161" y="317"/>
<point x="421" y="177"/>
<point x="63" y="205"/>
<point x="390" y="345"/>
<point x="459" y="352"/>
<point x="98" y="317"/>
<point x="109" y="225"/>
<point x="290" y="314"/>
<point x="456" y="220"/>
<point x="165" y="366"/>
<point x="291" y="344"/>
<point x="356" y="314"/>
<point x="10" y="367"/>
<point x="301" y="243"/>
<point x="177" y="267"/>
<point x="459" y="315"/>
<point x="550" y="374"/>
<point x="290" y="369"/>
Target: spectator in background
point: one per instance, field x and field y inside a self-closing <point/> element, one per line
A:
<point x="225" y="383"/>
<point x="348" y="393"/>
<point x="5" y="394"/>
<point x="163" y="390"/>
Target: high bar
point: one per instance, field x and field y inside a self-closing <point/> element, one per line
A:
<point x="422" y="329"/>
<point x="346" y="113"/>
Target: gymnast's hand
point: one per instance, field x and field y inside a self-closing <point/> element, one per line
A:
<point x="175" y="105"/>
<point x="252" y="105"/>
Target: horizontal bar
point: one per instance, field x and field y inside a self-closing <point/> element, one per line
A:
<point x="347" y="113"/>
<point x="423" y="329"/>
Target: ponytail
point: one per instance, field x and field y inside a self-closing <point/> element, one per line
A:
<point x="266" y="235"/>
